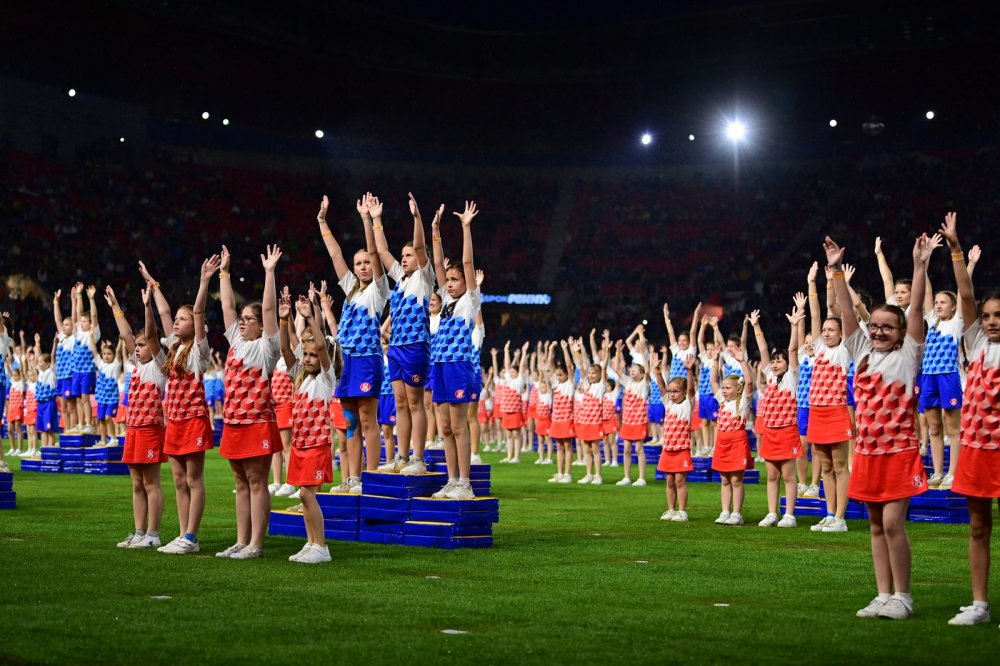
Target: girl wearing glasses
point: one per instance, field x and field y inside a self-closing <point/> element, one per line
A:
<point x="887" y="467"/>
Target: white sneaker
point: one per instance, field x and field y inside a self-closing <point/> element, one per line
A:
<point x="801" y="488"/>
<point x="392" y="466"/>
<point x="896" y="609"/>
<point x="836" y="525"/>
<point x="355" y="488"/>
<point x="566" y="478"/>
<point x="614" y="463"/>
<point x="576" y="463"/>
<point x="668" y="515"/>
<point x="273" y="488"/>
<point x="146" y="541"/>
<point x="247" y="553"/>
<point x="180" y="546"/>
<point x="934" y="480"/>
<point x="415" y="466"/>
<point x="514" y="461"/>
<point x="555" y="478"/>
<point x="735" y="518"/>
<point x="770" y="520"/>
<point x="971" y="615"/>
<point x="597" y="480"/>
<point x="284" y="490"/>
<point x="303" y="551"/>
<point x="228" y="552"/>
<point x="342" y="487"/>
<point x="461" y="491"/>
<point x="88" y="430"/>
<point x="680" y="517"/>
<point x="872" y="609"/>
<point x="586" y="479"/>
<point x="947" y="481"/>
<point x="723" y="517"/>
<point x="639" y="483"/>
<point x="296" y="495"/>
<point x="818" y="527"/>
<point x="476" y="460"/>
<point x="540" y="461"/>
<point x="504" y="460"/>
<point x="787" y="520"/>
<point x="548" y="461"/>
<point x="624" y="482"/>
<point x="443" y="493"/>
<point x="315" y="555"/>
<point x="128" y="541"/>
<point x="811" y="491"/>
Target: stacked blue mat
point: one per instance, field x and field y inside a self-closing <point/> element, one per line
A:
<point x="652" y="452"/>
<point x="397" y="509"/>
<point x="8" y="498"/>
<point x="76" y="454"/>
<point x="703" y="473"/>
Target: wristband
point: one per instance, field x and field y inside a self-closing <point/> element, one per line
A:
<point x="376" y="227"/>
<point x="223" y="274"/>
<point x="283" y="322"/>
<point x="957" y="256"/>
<point x="759" y="335"/>
<point x="838" y="274"/>
<point x="118" y="313"/>
<point x="436" y="239"/>
<point x="814" y="293"/>
<point x="327" y="233"/>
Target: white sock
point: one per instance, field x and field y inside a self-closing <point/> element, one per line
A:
<point x="905" y="598"/>
<point x="884" y="597"/>
<point x="985" y="605"/>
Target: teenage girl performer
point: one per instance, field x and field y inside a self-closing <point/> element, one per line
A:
<point x="675" y="459"/>
<point x="409" y="341"/>
<point x="634" y="382"/>
<point x="778" y="419"/>
<point x="109" y="366"/>
<point x="310" y="464"/>
<point x="367" y="291"/>
<point x="732" y="446"/>
<point x="144" y="431"/>
<point x="434" y="320"/>
<point x="829" y="428"/>
<point x="47" y="420"/>
<point x="189" y="430"/>
<point x="708" y="406"/>
<point x="887" y="466"/>
<point x="978" y="473"/>
<point x="250" y="437"/>
<point x="64" y="360"/>
<point x="561" y="430"/>
<point x="681" y="348"/>
<point x="452" y="357"/>
<point x="941" y="386"/>
<point x="84" y="370"/>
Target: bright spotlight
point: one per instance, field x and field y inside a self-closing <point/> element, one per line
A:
<point x="690" y="137"/>
<point x="930" y="115"/>
<point x="72" y="92"/>
<point x="736" y="131"/>
<point x="225" y="121"/>
<point x="205" y="115"/>
<point x="121" y="140"/>
<point x="319" y="134"/>
<point x="646" y="139"/>
<point x="833" y="122"/>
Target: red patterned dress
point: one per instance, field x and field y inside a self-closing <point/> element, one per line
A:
<point x="248" y="411"/>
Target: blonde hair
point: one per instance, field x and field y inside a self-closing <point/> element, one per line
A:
<point x="177" y="357"/>
<point x="740" y="386"/>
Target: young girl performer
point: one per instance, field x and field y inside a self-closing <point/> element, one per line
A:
<point x="634" y="382"/>
<point x="144" y="431"/>
<point x="887" y="466"/>
<point x="455" y="383"/>
<point x="394" y="459"/>
<point x="778" y="415"/>
<point x="509" y="386"/>
<point x="941" y="386"/>
<point x="543" y="409"/>
<point x="563" y="391"/>
<point x="409" y="341"/>
<point x="64" y="360"/>
<point x="675" y="459"/>
<point x="15" y="409"/>
<point x="109" y="366"/>
<point x="978" y="473"/>
<point x="732" y="446"/>
<point x="189" y="431"/>
<point x="310" y="464"/>
<point x="250" y="436"/>
<point x="829" y="428"/>
<point x="84" y="370"/>
<point x="358" y="387"/>
<point x="434" y="321"/>
<point x="47" y="420"/>
<point x="283" y="391"/>
<point x="587" y="410"/>
<point x="708" y="406"/>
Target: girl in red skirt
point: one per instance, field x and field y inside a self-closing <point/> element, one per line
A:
<point x="675" y="459"/>
<point x="283" y="390"/>
<point x="777" y="416"/>
<point x="978" y="472"/>
<point x="732" y="446"/>
<point x="587" y="410"/>
<point x="609" y="422"/>
<point x="250" y="436"/>
<point x="887" y="467"/>
<point x="189" y="431"/>
<point x="144" y="430"/>
<point x="310" y="462"/>
<point x="509" y="386"/>
<point x="543" y="415"/>
<point x="635" y="413"/>
<point x="561" y="431"/>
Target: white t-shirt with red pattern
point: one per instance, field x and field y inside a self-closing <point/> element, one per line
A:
<point x="635" y="401"/>
<point x="829" y="378"/>
<point x="777" y="406"/>
<point x="282" y="385"/>
<point x="249" y="366"/>
<point x="508" y="392"/>
<point x="311" y="408"/>
<point x="733" y="414"/>
<point x="608" y="404"/>
<point x="885" y="397"/>
<point x="145" y="392"/>
<point x="543" y="407"/>
<point x="981" y="400"/>
<point x="587" y="402"/>
<point x="563" y="396"/>
<point x="677" y="425"/>
<point x="185" y="397"/>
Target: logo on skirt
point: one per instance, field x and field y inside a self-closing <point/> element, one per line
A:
<point x="150" y="454"/>
<point x="460" y="394"/>
<point x="954" y="402"/>
<point x="365" y="387"/>
<point x="318" y="475"/>
<point x="200" y="442"/>
<point x="266" y="444"/>
<point x="918" y="481"/>
<point x="415" y="379"/>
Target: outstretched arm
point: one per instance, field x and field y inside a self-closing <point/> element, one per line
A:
<point x="308" y="312"/>
<point x="152" y="339"/>
<point x="166" y="319"/>
<point x="284" y="326"/>
<point x="56" y="313"/>
<point x="466" y="218"/>
<point x="815" y="321"/>
<point x="269" y="304"/>
<point x="208" y="268"/>
<point x="670" y="328"/>
<point x="419" y="243"/>
<point x="369" y="223"/>
<point x="888" y="285"/>
<point x="381" y="246"/>
<point x="438" y="249"/>
<point x="226" y="295"/>
<point x="340" y="266"/>
<point x="92" y="301"/>
<point x="758" y="333"/>
<point x="835" y="262"/>
<point x="963" y="277"/>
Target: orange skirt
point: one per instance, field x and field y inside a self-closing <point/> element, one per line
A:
<point x="978" y="473"/>
<point x="732" y="451"/>
<point x="829" y="424"/>
<point x="561" y="430"/>
<point x="337" y="416"/>
<point x="250" y="441"/>
<point x="144" y="445"/>
<point x="187" y="436"/>
<point x="610" y="426"/>
<point x="634" y="432"/>
<point x="512" y="420"/>
<point x="887" y="477"/>
<point x="283" y="415"/>
<point x="542" y="427"/>
<point x="310" y="467"/>
<point x="780" y="443"/>
<point x="674" y="462"/>
<point x="695" y="419"/>
<point x="588" y="432"/>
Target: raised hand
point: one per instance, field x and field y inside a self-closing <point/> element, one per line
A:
<point x="923" y="247"/>
<point x="506" y="346"/>
<point x="304" y="307"/>
<point x="270" y="260"/>
<point x="813" y="270"/>
<point x="91" y="291"/>
<point x="834" y="253"/>
<point x="878" y="245"/>
<point x="848" y="273"/>
<point x="210" y="266"/>
<point x="935" y="241"/>
<point x="800" y="300"/>
<point x="144" y="272"/>
<point x="697" y="312"/>
<point x="480" y="276"/>
<point x="666" y="311"/>
<point x="689" y="362"/>
<point x="224" y="259"/>
<point x="146" y="293"/>
<point x="414" y="209"/>
<point x="436" y="222"/>
<point x="797" y="315"/>
<point x="974" y="255"/>
<point x="285" y="303"/>
<point x="57" y="295"/>
<point x="470" y="212"/>
<point x="949" y="229"/>
<point x="754" y="318"/>
<point x="324" y="206"/>
<point x="361" y="205"/>
<point x="322" y="290"/>
<point x="109" y="296"/>
<point x="374" y="207"/>
<point x="738" y="354"/>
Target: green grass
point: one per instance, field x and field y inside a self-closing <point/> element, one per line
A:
<point x="562" y="584"/>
